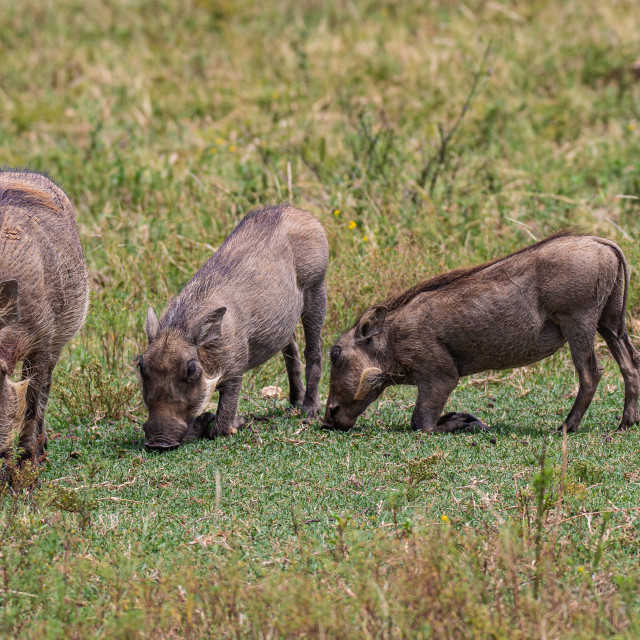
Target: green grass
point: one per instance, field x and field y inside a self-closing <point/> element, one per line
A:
<point x="165" y="122"/>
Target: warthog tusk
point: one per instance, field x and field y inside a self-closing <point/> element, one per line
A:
<point x="211" y="384"/>
<point x="368" y="378"/>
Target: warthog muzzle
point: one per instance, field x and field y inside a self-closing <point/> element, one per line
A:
<point x="163" y="434"/>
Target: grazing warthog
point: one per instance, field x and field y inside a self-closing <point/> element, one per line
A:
<point x="506" y="313"/>
<point x="238" y="311"/>
<point x="43" y="300"/>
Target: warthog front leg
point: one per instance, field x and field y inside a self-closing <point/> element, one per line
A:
<point x="315" y="305"/>
<point x="432" y="396"/>
<point x="294" y="372"/>
<point x="227" y="421"/>
<point x="38" y="368"/>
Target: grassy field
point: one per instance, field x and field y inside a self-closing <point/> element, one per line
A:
<point x="424" y="136"/>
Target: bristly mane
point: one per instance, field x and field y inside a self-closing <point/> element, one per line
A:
<point x="450" y="277"/>
<point x="269" y="217"/>
<point x="17" y="188"/>
<point x="37" y="172"/>
<point x="20" y="195"/>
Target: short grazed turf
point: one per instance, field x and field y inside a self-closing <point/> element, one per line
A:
<point x="424" y="138"/>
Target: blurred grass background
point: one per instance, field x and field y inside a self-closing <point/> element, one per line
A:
<point x="167" y="121"/>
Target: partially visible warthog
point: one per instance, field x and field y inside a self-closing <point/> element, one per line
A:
<point x="43" y="300"/>
<point x="507" y="313"/>
<point x="238" y="311"/>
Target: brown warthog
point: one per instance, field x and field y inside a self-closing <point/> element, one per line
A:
<point x="506" y="313"/>
<point x="43" y="300"/>
<point x="238" y="311"/>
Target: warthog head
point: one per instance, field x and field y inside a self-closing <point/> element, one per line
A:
<point x="12" y="394"/>
<point x="175" y="385"/>
<point x="357" y="371"/>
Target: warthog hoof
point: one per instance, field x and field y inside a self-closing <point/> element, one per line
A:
<point x="310" y="411"/>
<point x="626" y="423"/>
<point x="199" y="425"/>
<point x="560" y="429"/>
<point x="215" y="429"/>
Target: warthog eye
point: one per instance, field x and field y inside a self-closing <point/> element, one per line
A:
<point x="335" y="354"/>
<point x="192" y="370"/>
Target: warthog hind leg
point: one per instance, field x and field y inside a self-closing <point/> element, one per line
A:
<point x="612" y="327"/>
<point x="628" y="360"/>
<point x="581" y="337"/>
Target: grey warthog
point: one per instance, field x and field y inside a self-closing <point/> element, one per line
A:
<point x="44" y="294"/>
<point x="506" y="313"/>
<point x="239" y="310"/>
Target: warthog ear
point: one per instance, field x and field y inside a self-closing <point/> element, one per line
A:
<point x="369" y="379"/>
<point x="371" y="323"/>
<point x="211" y="328"/>
<point x="153" y="325"/>
<point x="9" y="310"/>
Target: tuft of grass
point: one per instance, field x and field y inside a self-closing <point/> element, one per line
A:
<point x="438" y="579"/>
<point x="88" y="390"/>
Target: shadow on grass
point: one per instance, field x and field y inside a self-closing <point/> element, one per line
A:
<point x="506" y="428"/>
<point x="496" y="428"/>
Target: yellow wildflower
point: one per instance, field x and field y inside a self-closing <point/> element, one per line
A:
<point x="231" y="148"/>
<point x="365" y="239"/>
<point x="352" y="224"/>
<point x="631" y="126"/>
<point x="336" y="212"/>
<point x="444" y="518"/>
<point x="580" y="569"/>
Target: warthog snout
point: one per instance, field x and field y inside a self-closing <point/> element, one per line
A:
<point x="164" y="433"/>
<point x="330" y="415"/>
<point x="335" y="418"/>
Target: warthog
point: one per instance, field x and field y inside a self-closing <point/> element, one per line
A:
<point x="238" y="311"/>
<point x="44" y="295"/>
<point x="506" y="313"/>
